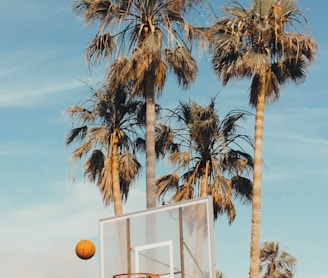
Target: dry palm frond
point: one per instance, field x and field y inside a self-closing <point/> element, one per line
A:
<point x="181" y="194"/>
<point x="160" y="76"/>
<point x="183" y="64"/>
<point x="221" y="191"/>
<point x="100" y="47"/>
<point x="163" y="139"/>
<point x="129" y="168"/>
<point x="81" y="150"/>
<point x="166" y="183"/>
<point x="83" y="114"/>
<point x="184" y="192"/>
<point x="115" y="77"/>
<point x="100" y="135"/>
<point x="200" y="34"/>
<point x="105" y="181"/>
<point x="180" y="158"/>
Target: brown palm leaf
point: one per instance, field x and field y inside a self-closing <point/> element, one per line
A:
<point x="167" y="183"/>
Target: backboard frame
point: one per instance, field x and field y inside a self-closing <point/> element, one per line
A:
<point x="182" y="250"/>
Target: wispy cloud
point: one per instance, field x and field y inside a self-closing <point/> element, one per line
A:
<point x="24" y="96"/>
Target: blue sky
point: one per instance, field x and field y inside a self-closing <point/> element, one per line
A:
<point x="43" y="215"/>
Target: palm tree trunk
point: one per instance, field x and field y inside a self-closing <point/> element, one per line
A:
<point x="116" y="181"/>
<point x="257" y="178"/>
<point x="150" y="160"/>
<point x="204" y="181"/>
<point x="150" y="140"/>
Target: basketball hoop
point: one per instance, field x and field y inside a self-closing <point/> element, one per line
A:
<point x="136" y="275"/>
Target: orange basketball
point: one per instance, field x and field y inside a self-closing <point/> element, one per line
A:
<point x="85" y="249"/>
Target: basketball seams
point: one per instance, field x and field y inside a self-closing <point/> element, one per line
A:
<point x="85" y="249"/>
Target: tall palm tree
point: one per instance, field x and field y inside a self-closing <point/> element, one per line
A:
<point x="106" y="123"/>
<point x="276" y="263"/>
<point x="152" y="38"/>
<point x="260" y="43"/>
<point x="207" y="148"/>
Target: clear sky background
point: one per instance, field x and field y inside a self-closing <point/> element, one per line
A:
<point x="43" y="215"/>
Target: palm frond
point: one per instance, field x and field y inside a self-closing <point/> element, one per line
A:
<point x="243" y="189"/>
<point x="167" y="183"/>
<point x="100" y="135"/>
<point x="185" y="191"/>
<point x="255" y="59"/>
<point x="221" y="191"/>
<point x="82" y="113"/>
<point x="141" y="144"/>
<point x="180" y="158"/>
<point x="94" y="165"/>
<point x="129" y="169"/>
<point x="236" y="9"/>
<point x="101" y="46"/>
<point x="262" y="8"/>
<point x="105" y="181"/>
<point x="229" y="124"/>
<point x="164" y="140"/>
<point x="83" y="149"/>
<point x="199" y="34"/>
<point x="160" y="76"/>
<point x="255" y="91"/>
<point x="296" y="69"/>
<point x="114" y="76"/>
<point x="78" y="133"/>
<point x="235" y="161"/>
<point x="95" y="10"/>
<point x="183" y="64"/>
<point x="271" y="87"/>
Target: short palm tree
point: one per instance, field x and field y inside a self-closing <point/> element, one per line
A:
<point x="106" y="123"/>
<point x="276" y="263"/>
<point x="206" y="149"/>
<point x="261" y="43"/>
<point x="151" y="38"/>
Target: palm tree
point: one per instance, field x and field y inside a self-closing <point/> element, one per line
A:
<point x="207" y="149"/>
<point x="136" y="31"/>
<point x="106" y="124"/>
<point x="276" y="263"/>
<point x="259" y="43"/>
<point x="204" y="151"/>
